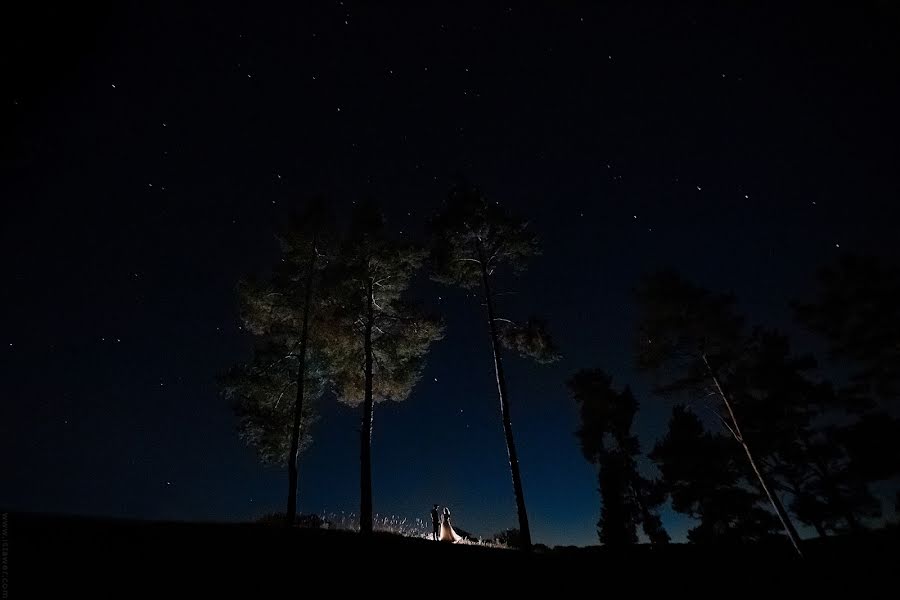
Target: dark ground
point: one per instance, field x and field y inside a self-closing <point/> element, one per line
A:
<point x="86" y="557"/>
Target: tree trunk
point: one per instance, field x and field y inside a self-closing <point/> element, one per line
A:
<point x="365" y="431"/>
<point x="524" y="530"/>
<point x="293" y="458"/>
<point x="773" y="498"/>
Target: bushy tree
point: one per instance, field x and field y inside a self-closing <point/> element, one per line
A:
<point x="798" y="425"/>
<point x="704" y="475"/>
<point x="628" y="498"/>
<point x="473" y="239"/>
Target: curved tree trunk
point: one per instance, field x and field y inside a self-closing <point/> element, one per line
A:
<point x="524" y="530"/>
<point x="293" y="458"/>
<point x="365" y="431"/>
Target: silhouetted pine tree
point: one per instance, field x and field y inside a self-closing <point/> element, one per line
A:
<point x="606" y="441"/>
<point x="691" y="340"/>
<point x="473" y="238"/>
<point x="375" y="349"/>
<point x="279" y="312"/>
<point x="703" y="474"/>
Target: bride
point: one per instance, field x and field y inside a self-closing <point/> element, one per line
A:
<point x="447" y="533"/>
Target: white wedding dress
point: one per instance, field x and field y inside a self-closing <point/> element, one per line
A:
<point x="447" y="533"/>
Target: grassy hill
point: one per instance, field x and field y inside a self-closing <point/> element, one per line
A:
<point x="121" y="559"/>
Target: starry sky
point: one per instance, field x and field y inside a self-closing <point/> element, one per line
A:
<point x="150" y="152"/>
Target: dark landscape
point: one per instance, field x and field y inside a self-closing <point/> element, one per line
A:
<point x="460" y="298"/>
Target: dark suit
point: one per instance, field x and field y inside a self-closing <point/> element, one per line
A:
<point x="435" y="523"/>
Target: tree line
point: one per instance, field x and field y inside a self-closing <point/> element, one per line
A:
<point x="752" y="425"/>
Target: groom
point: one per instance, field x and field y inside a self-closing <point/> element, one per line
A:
<point x="435" y="522"/>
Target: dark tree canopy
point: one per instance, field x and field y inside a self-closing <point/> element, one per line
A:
<point x="858" y="311"/>
<point x="628" y="498"/>
<point x="796" y="424"/>
<point x="679" y="324"/>
<point x="704" y="474"/>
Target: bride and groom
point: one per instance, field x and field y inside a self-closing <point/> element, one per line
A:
<point x="441" y="527"/>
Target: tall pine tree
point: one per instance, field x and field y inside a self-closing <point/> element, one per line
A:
<point x="376" y="345"/>
<point x="474" y="238"/>
<point x="280" y="313"/>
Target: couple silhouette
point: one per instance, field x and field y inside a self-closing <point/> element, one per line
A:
<point x="441" y="527"/>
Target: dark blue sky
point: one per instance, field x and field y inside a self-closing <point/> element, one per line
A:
<point x="150" y="153"/>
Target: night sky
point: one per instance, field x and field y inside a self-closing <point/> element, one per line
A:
<point x="150" y="153"/>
